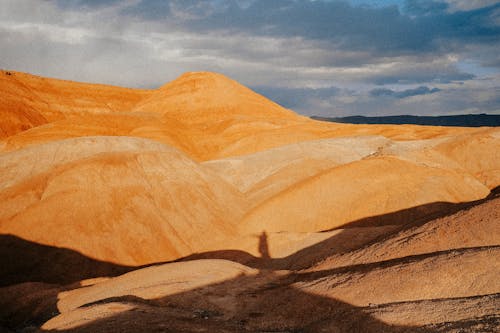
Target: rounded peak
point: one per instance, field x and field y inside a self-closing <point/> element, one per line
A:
<point x="212" y="95"/>
<point x="201" y="80"/>
<point x="202" y="75"/>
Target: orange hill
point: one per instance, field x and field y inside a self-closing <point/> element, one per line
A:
<point x="279" y="222"/>
<point x="156" y="171"/>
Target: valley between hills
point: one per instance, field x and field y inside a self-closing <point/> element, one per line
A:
<point x="202" y="206"/>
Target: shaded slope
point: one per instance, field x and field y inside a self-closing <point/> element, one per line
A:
<point x="477" y="226"/>
<point x="247" y="302"/>
<point x="440" y="291"/>
<point x="445" y="274"/>
<point x="24" y="261"/>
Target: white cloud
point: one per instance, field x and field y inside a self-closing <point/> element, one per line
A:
<point x="101" y="44"/>
<point x="469" y="4"/>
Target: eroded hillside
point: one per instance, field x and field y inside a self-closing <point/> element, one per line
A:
<point x="277" y="222"/>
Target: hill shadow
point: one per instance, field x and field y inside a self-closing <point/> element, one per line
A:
<point x="25" y="261"/>
<point x="265" y="305"/>
<point x="32" y="275"/>
<point x="273" y="306"/>
<point x="335" y="245"/>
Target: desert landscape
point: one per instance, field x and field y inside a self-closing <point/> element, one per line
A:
<point x="202" y="206"/>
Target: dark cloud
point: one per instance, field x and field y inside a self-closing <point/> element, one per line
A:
<point x="424" y="26"/>
<point x="413" y="77"/>
<point x="297" y="98"/>
<point x="151" y="9"/>
<point x="422" y="90"/>
<point x="290" y="50"/>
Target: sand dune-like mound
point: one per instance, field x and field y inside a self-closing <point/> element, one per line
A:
<point x="58" y="99"/>
<point x="164" y="130"/>
<point x="268" y="172"/>
<point x="196" y="96"/>
<point x="478" y="153"/>
<point x="358" y="190"/>
<point x="19" y="107"/>
<point x="156" y="282"/>
<point x="217" y="116"/>
<point x="119" y="199"/>
<point x="435" y="276"/>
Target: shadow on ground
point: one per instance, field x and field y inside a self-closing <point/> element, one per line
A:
<point x="259" y="303"/>
<point x="307" y="257"/>
<point x="25" y="261"/>
<point x="267" y="302"/>
<point x="32" y="275"/>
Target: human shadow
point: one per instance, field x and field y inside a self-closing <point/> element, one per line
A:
<point x="341" y="242"/>
<point x="265" y="302"/>
<point x="24" y="261"/>
<point x="263" y="246"/>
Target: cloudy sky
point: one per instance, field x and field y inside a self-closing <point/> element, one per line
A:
<point x="318" y="57"/>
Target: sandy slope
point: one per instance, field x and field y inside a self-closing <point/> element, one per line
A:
<point x="119" y="199"/>
<point x="358" y="190"/>
<point x="470" y="228"/>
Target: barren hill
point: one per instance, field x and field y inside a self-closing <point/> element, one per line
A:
<point x="269" y="215"/>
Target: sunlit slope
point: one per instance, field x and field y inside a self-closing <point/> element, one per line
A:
<point x="322" y="184"/>
<point x="19" y="107"/>
<point x="357" y="190"/>
<point x="196" y="96"/>
<point x="221" y="115"/>
<point x="227" y="119"/>
<point x="57" y="99"/>
<point x="165" y="130"/>
<point x="118" y="199"/>
<point x="207" y="115"/>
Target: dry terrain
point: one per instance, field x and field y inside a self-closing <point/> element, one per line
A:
<point x="202" y="206"/>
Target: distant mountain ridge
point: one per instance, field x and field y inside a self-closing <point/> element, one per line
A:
<point x="466" y="120"/>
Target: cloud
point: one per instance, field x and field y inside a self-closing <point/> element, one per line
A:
<point x="474" y="96"/>
<point x="85" y="3"/>
<point x="464" y="5"/>
<point x="298" y="98"/>
<point x="422" y="90"/>
<point x="312" y="56"/>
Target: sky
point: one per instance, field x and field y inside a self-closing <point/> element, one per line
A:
<point x="317" y="57"/>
